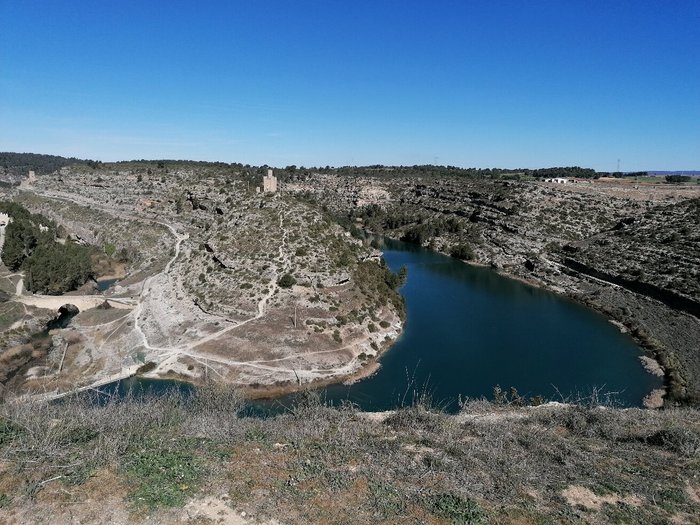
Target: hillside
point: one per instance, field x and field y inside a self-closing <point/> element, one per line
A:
<point x="15" y="166"/>
<point x="261" y="290"/>
<point x="247" y="294"/>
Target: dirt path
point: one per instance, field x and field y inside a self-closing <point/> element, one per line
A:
<point x="145" y="288"/>
<point x="2" y="238"/>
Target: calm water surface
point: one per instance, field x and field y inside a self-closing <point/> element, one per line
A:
<point x="469" y="329"/>
<point x="105" y="284"/>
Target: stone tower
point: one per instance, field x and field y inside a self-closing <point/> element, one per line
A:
<point x="269" y="182"/>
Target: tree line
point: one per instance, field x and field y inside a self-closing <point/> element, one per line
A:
<point x="19" y="164"/>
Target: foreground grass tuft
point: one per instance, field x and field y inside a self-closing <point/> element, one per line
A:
<point x="163" y="474"/>
<point x="459" y="510"/>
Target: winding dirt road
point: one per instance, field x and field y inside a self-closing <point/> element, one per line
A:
<point x="168" y="355"/>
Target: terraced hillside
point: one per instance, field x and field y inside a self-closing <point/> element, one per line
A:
<point x="658" y="250"/>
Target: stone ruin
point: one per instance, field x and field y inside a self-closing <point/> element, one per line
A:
<point x="269" y="182"/>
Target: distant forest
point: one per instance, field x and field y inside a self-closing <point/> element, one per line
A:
<point x="19" y="164"/>
<point x="430" y="170"/>
<point x="16" y="165"/>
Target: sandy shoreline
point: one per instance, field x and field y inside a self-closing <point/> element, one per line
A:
<point x="249" y="392"/>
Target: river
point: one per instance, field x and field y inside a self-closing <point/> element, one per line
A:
<point x="469" y="329"/>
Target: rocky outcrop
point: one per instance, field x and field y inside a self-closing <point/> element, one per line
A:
<point x="668" y="297"/>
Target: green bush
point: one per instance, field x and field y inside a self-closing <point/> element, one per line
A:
<point x="462" y="251"/>
<point x="460" y="511"/>
<point x="57" y="268"/>
<point x="287" y="281"/>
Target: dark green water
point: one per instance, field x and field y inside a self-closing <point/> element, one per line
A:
<point x="469" y="329"/>
<point x="105" y="284"/>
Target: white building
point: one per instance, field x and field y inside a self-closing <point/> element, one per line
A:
<point x="558" y="180"/>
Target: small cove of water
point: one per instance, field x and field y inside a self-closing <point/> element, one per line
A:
<point x="105" y="284"/>
<point x="469" y="329"/>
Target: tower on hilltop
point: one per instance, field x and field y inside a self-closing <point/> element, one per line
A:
<point x="269" y="182"/>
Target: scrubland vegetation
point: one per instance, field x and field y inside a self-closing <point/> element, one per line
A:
<point x="491" y="463"/>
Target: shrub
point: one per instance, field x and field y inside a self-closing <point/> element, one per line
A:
<point x="162" y="475"/>
<point x="462" y="251"/>
<point x="287" y="281"/>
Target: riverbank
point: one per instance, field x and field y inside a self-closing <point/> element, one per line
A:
<point x="364" y="363"/>
<point x="269" y="392"/>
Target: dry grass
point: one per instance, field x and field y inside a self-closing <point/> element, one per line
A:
<point x="316" y="464"/>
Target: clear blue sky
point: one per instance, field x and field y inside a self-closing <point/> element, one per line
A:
<point x="315" y="82"/>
